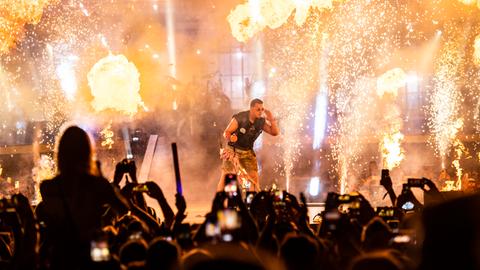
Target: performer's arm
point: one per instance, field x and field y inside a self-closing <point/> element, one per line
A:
<point x="271" y="126"/>
<point x="227" y="134"/>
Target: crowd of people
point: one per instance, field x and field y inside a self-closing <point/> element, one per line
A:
<point x="85" y="221"/>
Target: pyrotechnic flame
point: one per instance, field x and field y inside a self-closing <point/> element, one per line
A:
<point x="390" y="81"/>
<point x="115" y="84"/>
<point x="476" y="52"/>
<point x="459" y="150"/>
<point x="469" y="2"/>
<point x="449" y="186"/>
<point x="390" y="144"/>
<point x="15" y="15"/>
<point x="250" y="18"/>
<point x="107" y="136"/>
<point x="391" y="150"/>
<point x="45" y="169"/>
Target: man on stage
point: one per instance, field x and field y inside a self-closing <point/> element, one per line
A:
<point x="241" y="133"/>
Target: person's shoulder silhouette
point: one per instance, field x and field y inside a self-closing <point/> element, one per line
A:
<point x="74" y="201"/>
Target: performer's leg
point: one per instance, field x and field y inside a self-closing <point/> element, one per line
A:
<point x="249" y="162"/>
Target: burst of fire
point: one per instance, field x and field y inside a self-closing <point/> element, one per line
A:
<point x="45" y="169"/>
<point x="250" y="18"/>
<point x="107" y="136"/>
<point x="391" y="143"/>
<point x="470" y="2"/>
<point x="391" y="150"/>
<point x="15" y="15"/>
<point x="390" y="81"/>
<point x="459" y="150"/>
<point x="449" y="186"/>
<point x="115" y="84"/>
<point x="476" y="52"/>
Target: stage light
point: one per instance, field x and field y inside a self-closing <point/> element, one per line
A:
<point x="84" y="10"/>
<point x="314" y="186"/>
<point x="320" y="123"/>
<point x="272" y="72"/>
<point x="66" y="74"/>
<point x="169" y="17"/>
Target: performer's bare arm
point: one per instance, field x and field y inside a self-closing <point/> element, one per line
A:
<point x="232" y="126"/>
<point x="270" y="126"/>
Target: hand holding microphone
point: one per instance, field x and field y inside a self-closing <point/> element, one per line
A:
<point x="233" y="138"/>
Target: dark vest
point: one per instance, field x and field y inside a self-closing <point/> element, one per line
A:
<point x="247" y="132"/>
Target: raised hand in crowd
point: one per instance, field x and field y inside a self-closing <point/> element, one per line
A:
<point x="154" y="191"/>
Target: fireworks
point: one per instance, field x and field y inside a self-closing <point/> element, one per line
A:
<point x="356" y="49"/>
<point x="15" y="15"/>
<point x="114" y="83"/>
<point x="445" y="99"/>
<point x="294" y="71"/>
<point x="311" y="48"/>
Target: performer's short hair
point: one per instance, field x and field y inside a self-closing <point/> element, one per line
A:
<point x="255" y="101"/>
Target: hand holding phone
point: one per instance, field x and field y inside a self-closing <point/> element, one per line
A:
<point x="386" y="181"/>
<point x="416" y="182"/>
<point x="99" y="251"/>
<point x="140" y="188"/>
<point x="231" y="185"/>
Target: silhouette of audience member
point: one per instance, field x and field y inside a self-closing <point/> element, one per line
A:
<point x="133" y="251"/>
<point x="382" y="260"/>
<point x="73" y="203"/>
<point x="376" y="235"/>
<point x="162" y="254"/>
<point x="452" y="235"/>
<point x="300" y="252"/>
<point x="194" y="257"/>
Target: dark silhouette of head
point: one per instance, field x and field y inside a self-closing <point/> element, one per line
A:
<point x="162" y="254"/>
<point x="383" y="260"/>
<point x="133" y="251"/>
<point x="299" y="252"/>
<point x="74" y="151"/>
<point x="194" y="257"/>
<point x="376" y="235"/>
<point x="452" y="237"/>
